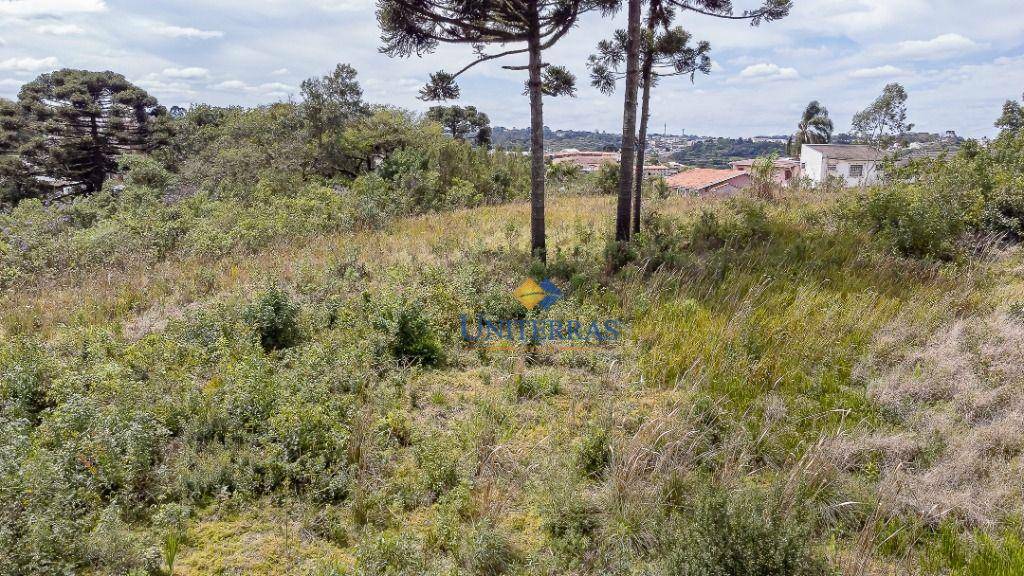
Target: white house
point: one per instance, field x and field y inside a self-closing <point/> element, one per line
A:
<point x="856" y="164"/>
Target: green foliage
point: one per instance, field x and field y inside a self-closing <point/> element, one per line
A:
<point x="144" y="171"/>
<point x="593" y="452"/>
<point x="460" y="122"/>
<point x="916" y="220"/>
<point x="606" y="179"/>
<point x="274" y="317"/>
<point x="885" y="120"/>
<point x="735" y="536"/>
<point x="981" y="555"/>
<point x="487" y="552"/>
<point x="80" y="121"/>
<point x="719" y="152"/>
<point x="930" y="206"/>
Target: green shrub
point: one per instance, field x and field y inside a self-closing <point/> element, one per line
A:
<point x="389" y="554"/>
<point x="916" y="221"/>
<point x="144" y="171"/>
<point x="535" y="386"/>
<point x="958" y="554"/>
<point x="274" y="317"/>
<point x="737" y="535"/>
<point x="411" y="336"/>
<point x="593" y="452"/>
<point x="487" y="552"/>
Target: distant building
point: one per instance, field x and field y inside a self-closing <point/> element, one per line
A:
<point x="701" y="181"/>
<point x="785" y="170"/>
<point x="776" y="139"/>
<point x="587" y="161"/>
<point x="657" y="170"/>
<point x="855" y="164"/>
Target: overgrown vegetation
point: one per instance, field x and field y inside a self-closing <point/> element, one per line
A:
<point x="240" y="357"/>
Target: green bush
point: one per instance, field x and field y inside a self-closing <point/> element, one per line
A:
<point x="413" y="339"/>
<point x="144" y="171"/>
<point x="487" y="552"/>
<point x="593" y="452"/>
<point x="738" y="535"/>
<point x="274" y="317"/>
<point x="917" y="221"/>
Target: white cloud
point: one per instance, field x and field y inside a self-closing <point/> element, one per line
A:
<point x="163" y="88"/>
<point x="344" y="5"/>
<point x="186" y="73"/>
<point x="768" y="71"/>
<point x="32" y="8"/>
<point x="59" y="29"/>
<point x="941" y="46"/>
<point x="231" y="85"/>
<point x="805" y="51"/>
<point x="28" y="64"/>
<point x="887" y="71"/>
<point x="275" y="87"/>
<point x="170" y="31"/>
<point x="11" y="82"/>
<point x="279" y="72"/>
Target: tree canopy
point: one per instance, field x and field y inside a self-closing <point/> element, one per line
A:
<point x="1012" y="119"/>
<point x="78" y="122"/>
<point x="459" y="122"/>
<point x="815" y="127"/>
<point x="885" y="120"/>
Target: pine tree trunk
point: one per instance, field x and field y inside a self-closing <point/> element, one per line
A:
<point x="538" y="247"/>
<point x="622" y="213"/>
<point x="641" y="141"/>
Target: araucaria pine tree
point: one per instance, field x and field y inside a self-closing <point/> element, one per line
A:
<point x="770" y="10"/>
<point x="664" y="51"/>
<point x="516" y="26"/>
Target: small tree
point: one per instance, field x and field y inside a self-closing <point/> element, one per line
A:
<point x="815" y="127"/>
<point x="329" y="104"/>
<point x="885" y="120"/>
<point x="1012" y="120"/>
<point x="762" y="176"/>
<point x="80" y="121"/>
<point x="460" y="122"/>
<point x="419" y="26"/>
<point x="664" y="52"/>
<point x="770" y="10"/>
<point x="16" y="177"/>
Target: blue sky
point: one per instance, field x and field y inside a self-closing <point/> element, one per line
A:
<point x="959" y="60"/>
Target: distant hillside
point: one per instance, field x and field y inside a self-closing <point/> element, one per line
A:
<point x="719" y="152"/>
<point x="556" y="139"/>
<point x="692" y="150"/>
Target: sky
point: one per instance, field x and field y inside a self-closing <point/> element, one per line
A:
<point x="959" y="60"/>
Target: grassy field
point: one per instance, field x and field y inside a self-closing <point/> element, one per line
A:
<point x="788" y="397"/>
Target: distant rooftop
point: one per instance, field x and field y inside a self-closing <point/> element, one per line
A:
<point x="848" y="151"/>
<point x="700" y="178"/>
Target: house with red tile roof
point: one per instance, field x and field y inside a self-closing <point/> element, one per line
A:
<point x="701" y="181"/>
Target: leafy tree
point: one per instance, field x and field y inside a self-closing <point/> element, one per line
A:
<point x="664" y="52"/>
<point x="815" y="127"/>
<point x="460" y="122"/>
<point x="16" y="177"/>
<point x="885" y="120"/>
<point x="419" y="26"/>
<point x="81" y="121"/>
<point x="769" y="11"/>
<point x="1012" y="120"/>
<point x="373" y="139"/>
<point x="329" y="104"/>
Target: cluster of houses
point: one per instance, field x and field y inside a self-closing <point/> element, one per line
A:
<point x="852" y="165"/>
